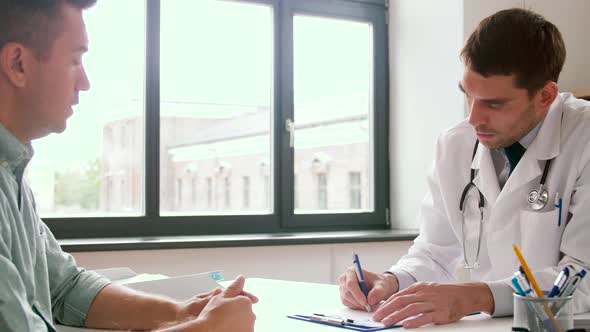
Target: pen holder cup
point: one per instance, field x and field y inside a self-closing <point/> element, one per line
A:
<point x="549" y="314"/>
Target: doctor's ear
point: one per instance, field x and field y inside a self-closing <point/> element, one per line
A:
<point x="13" y="59"/>
<point x="547" y="94"/>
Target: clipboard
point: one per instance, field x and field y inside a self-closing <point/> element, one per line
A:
<point x="353" y="326"/>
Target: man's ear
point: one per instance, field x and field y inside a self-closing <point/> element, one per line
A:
<point x="13" y="63"/>
<point x="547" y="94"/>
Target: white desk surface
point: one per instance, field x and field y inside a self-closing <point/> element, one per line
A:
<point x="281" y="298"/>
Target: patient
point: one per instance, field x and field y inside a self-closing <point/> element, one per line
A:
<point x="41" y="75"/>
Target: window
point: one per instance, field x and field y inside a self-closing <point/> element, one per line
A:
<point x="217" y="111"/>
<point x="227" y="192"/>
<point x="246" y="192"/>
<point x="332" y="106"/>
<point x="194" y="192"/>
<point x="354" y="183"/>
<point x="178" y="193"/>
<point x="266" y="190"/>
<point x="249" y="90"/>
<point x="322" y="191"/>
<point x="209" y="193"/>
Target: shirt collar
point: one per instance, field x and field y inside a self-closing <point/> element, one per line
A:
<point x="528" y="138"/>
<point x="12" y="152"/>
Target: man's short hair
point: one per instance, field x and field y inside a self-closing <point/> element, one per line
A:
<point x="516" y="42"/>
<point x="34" y="23"/>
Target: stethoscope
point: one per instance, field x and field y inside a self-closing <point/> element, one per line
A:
<point x="537" y="199"/>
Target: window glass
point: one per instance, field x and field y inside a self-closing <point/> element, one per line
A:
<point x="333" y="111"/>
<point x="216" y="104"/>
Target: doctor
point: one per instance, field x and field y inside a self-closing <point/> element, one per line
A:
<point x="495" y="179"/>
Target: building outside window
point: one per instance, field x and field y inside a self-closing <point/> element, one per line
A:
<point x="322" y="191"/>
<point x="227" y="192"/>
<point x="209" y="193"/>
<point x="178" y="193"/>
<point x="246" y="192"/>
<point x="354" y="180"/>
<point x="194" y="192"/>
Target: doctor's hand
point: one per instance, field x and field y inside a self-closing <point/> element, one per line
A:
<point x="380" y="287"/>
<point x="434" y="303"/>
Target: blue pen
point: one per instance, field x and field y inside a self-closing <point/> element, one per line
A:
<point x="558" y="204"/>
<point x="573" y="283"/>
<point x="559" y="282"/>
<point x="361" y="278"/>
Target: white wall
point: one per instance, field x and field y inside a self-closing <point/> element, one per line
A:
<point x="424" y="43"/>
<point x="313" y="263"/>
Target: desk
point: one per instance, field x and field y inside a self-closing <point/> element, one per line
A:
<point x="281" y="298"/>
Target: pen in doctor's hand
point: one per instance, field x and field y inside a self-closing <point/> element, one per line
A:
<point x="359" y="274"/>
<point x="558" y="203"/>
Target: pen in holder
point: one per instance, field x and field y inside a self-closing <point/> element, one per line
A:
<point x="530" y="313"/>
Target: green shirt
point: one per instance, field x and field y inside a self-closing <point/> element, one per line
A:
<point x="39" y="283"/>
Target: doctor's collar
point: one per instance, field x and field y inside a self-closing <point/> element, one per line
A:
<point x="530" y="137"/>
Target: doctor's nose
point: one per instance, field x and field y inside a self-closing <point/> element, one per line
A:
<point x="477" y="114"/>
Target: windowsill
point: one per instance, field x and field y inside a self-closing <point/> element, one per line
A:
<point x="245" y="240"/>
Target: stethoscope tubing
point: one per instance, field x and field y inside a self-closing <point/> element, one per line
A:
<point x="540" y="191"/>
<point x="538" y="202"/>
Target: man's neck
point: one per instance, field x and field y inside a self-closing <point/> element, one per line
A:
<point x="10" y="122"/>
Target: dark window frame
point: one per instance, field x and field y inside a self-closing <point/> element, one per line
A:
<point x="282" y="218"/>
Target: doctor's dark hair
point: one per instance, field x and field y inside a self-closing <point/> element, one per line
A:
<point x="516" y="42"/>
<point x="34" y="23"/>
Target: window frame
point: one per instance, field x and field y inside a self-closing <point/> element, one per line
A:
<point x="282" y="219"/>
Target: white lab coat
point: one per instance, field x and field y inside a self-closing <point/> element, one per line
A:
<point x="508" y="218"/>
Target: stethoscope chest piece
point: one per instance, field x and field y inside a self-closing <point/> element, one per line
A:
<point x="538" y="198"/>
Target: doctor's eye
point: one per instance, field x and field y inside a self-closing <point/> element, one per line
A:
<point x="495" y="106"/>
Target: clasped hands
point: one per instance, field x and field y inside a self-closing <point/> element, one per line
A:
<point x="227" y="310"/>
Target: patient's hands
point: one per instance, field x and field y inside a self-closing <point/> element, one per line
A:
<point x="231" y="310"/>
<point x="193" y="307"/>
<point x="228" y="310"/>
